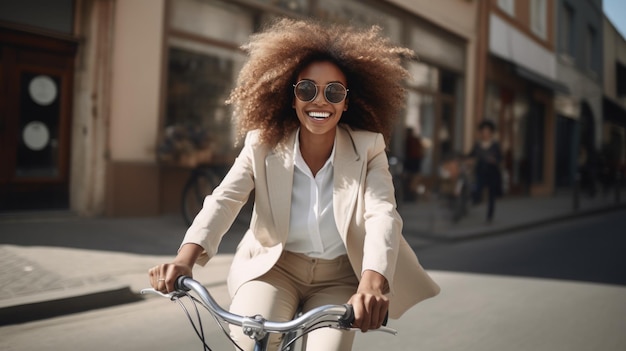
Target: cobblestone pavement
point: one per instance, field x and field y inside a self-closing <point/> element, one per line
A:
<point x="24" y="277"/>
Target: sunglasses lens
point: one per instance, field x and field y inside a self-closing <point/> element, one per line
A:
<point x="335" y="93"/>
<point x="305" y="90"/>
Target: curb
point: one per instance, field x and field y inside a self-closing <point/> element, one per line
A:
<point x="57" y="303"/>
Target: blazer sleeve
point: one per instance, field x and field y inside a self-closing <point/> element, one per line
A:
<point x="220" y="209"/>
<point x="383" y="224"/>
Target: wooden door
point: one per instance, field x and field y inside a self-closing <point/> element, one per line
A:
<point x="36" y="74"/>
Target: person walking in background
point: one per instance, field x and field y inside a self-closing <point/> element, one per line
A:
<point x="588" y="169"/>
<point x="487" y="155"/>
<point x="316" y="104"/>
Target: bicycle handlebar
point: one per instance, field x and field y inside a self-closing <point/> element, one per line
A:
<point x="344" y="313"/>
<point x="341" y="316"/>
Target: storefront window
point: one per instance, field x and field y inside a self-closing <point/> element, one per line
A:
<point x="203" y="63"/>
<point x="423" y="76"/>
<point x="420" y="118"/>
<point x="198" y="86"/>
<point x="510" y="111"/>
<point x="446" y="130"/>
<point x="432" y="112"/>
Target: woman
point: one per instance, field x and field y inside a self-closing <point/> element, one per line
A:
<point x="487" y="156"/>
<point x="314" y="103"/>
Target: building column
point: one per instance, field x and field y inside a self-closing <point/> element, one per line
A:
<point x="136" y="95"/>
<point x="482" y="53"/>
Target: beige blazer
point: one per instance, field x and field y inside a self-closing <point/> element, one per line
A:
<point x="364" y="208"/>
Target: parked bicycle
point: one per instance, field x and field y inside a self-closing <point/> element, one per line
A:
<point x="201" y="182"/>
<point x="455" y="185"/>
<point x="257" y="327"/>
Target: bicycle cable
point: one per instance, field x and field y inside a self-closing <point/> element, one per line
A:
<point x="200" y="333"/>
<point x="219" y="322"/>
<point x="313" y="327"/>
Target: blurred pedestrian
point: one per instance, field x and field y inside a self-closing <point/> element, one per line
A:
<point x="487" y="155"/>
<point x="316" y="103"/>
<point x="588" y="169"/>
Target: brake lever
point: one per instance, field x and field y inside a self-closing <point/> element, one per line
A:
<point x="171" y="296"/>
<point x="381" y="329"/>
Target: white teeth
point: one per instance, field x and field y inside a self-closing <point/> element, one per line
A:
<point x="319" y="114"/>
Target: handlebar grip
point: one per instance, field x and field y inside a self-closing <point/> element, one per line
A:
<point x="348" y="318"/>
<point x="180" y="283"/>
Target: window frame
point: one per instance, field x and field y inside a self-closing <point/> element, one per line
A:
<point x="538" y="18"/>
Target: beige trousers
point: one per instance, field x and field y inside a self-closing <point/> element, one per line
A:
<point x="298" y="281"/>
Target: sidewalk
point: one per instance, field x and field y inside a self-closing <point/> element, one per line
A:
<point x="431" y="220"/>
<point x="53" y="264"/>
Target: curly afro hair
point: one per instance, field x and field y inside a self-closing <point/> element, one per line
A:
<point x="263" y="96"/>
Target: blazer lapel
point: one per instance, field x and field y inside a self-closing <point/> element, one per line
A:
<point x="279" y="172"/>
<point x="348" y="167"/>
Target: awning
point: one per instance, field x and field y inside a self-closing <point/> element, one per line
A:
<point x="613" y="112"/>
<point x="541" y="80"/>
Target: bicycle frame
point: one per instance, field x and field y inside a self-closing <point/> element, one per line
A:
<point x="257" y="327"/>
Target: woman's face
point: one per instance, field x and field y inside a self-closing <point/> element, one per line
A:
<point x="486" y="134"/>
<point x="318" y="116"/>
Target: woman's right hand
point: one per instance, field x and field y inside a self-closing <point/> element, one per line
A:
<point x="163" y="276"/>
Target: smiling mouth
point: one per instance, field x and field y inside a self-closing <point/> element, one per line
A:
<point x="319" y="115"/>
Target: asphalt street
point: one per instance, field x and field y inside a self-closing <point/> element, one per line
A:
<point x="504" y="285"/>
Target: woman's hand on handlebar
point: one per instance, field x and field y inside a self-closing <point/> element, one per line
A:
<point x="369" y="303"/>
<point x="163" y="276"/>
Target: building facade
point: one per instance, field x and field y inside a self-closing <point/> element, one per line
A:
<point x="145" y="82"/>
<point x="518" y="59"/>
<point x="107" y="105"/>
<point x="579" y="67"/>
<point x="614" y="100"/>
<point x="37" y="59"/>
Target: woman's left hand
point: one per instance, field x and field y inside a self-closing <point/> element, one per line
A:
<point x="370" y="303"/>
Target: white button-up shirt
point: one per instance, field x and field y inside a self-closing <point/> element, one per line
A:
<point x="312" y="227"/>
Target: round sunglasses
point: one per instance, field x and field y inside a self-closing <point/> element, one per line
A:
<point x="306" y="91"/>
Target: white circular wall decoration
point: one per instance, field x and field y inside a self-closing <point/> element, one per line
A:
<point x="36" y="135"/>
<point x="43" y="90"/>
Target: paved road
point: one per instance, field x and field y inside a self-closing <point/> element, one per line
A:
<point x="71" y="257"/>
<point x="474" y="311"/>
<point x="589" y="249"/>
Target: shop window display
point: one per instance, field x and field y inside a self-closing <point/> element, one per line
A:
<point x="203" y="63"/>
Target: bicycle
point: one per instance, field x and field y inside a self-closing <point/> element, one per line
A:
<point x="455" y="186"/>
<point x="201" y="182"/>
<point x="257" y="327"/>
